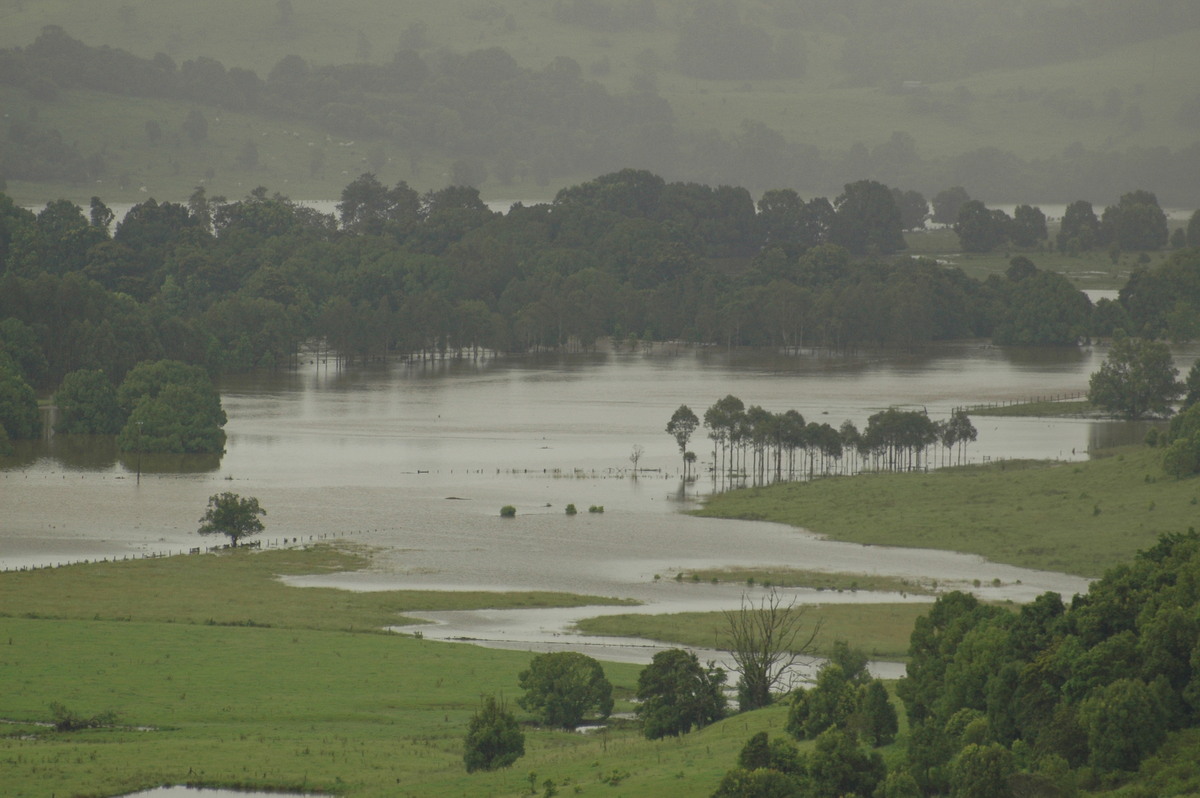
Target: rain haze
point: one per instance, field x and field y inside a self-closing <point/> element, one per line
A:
<point x="648" y="397"/>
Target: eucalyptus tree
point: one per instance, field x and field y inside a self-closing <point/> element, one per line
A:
<point x="962" y="431"/>
<point x="760" y="433"/>
<point x="682" y="425"/>
<point x="723" y="421"/>
<point x="791" y="434"/>
<point x="851" y="439"/>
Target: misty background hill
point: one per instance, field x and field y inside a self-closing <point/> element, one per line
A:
<point x="1041" y="100"/>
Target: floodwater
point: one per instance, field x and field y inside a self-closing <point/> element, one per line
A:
<point x="417" y="459"/>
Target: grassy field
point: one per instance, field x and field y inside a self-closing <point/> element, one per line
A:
<point x="1077" y="407"/>
<point x="1094" y="270"/>
<point x="1079" y="518"/>
<point x="881" y="630"/>
<point x="207" y="695"/>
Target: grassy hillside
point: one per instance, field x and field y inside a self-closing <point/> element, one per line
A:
<point x="1079" y="518"/>
<point x="221" y="676"/>
<point x="1130" y="96"/>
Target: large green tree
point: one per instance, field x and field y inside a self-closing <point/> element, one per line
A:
<point x="867" y="219"/>
<point x="87" y="404"/>
<point x="562" y="687"/>
<point x="170" y="407"/>
<point x="1137" y="378"/>
<point x="230" y="515"/>
<point x="1136" y="222"/>
<point x="19" y="414"/>
<point x="677" y="694"/>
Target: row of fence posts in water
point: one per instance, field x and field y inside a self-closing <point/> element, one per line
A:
<point x="276" y="543"/>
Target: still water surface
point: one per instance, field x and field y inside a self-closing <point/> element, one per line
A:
<point x="417" y="458"/>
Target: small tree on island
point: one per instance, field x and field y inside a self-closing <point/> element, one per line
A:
<point x="230" y="515"/>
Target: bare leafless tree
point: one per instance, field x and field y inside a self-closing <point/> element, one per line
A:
<point x="766" y="641"/>
<point x="636" y="455"/>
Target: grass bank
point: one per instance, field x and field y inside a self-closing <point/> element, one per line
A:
<point x="1043" y="409"/>
<point x="1079" y="518"/>
<point x="241" y="588"/>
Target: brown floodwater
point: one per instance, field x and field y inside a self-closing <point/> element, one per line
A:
<point x="417" y="459"/>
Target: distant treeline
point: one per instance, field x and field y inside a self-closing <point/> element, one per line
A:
<point x="242" y="285"/>
<point x="499" y="121"/>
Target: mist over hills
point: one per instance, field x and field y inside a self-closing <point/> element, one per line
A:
<point x="1028" y="101"/>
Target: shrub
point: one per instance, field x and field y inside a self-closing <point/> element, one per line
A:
<point x="571" y="509"/>
<point x="508" y="511"/>
<point x="494" y="740"/>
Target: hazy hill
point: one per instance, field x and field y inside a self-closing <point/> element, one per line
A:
<point x="1042" y="99"/>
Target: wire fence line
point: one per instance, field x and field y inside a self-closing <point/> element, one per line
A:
<point x="272" y="543"/>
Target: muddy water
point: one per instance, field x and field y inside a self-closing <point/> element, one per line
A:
<point x="418" y="458"/>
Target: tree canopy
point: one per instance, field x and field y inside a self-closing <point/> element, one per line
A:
<point x="1137" y="378"/>
<point x="563" y="687"/>
<point x="677" y="694"/>
<point x="231" y="515"/>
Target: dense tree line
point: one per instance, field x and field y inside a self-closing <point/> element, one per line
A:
<point x="246" y="284"/>
<point x="1048" y="699"/>
<point x="1056" y="694"/>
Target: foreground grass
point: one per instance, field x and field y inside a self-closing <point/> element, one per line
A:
<point x="342" y="713"/>
<point x="1079" y="518"/>
<point x="240" y="588"/>
<point x="304" y="705"/>
<point x="880" y="630"/>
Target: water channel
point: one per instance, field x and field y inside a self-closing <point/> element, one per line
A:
<point x="416" y="459"/>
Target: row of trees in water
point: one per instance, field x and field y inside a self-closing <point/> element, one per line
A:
<point x="757" y="445"/>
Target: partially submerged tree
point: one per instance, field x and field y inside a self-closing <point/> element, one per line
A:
<point x="1137" y="378"/>
<point x="766" y="641"/>
<point x="230" y="515"/>
<point x="494" y="740"/>
<point x="682" y="425"/>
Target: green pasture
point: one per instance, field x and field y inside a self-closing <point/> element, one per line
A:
<point x="1079" y="518"/>
<point x="220" y="675"/>
<point x="348" y="714"/>
<point x="1094" y="270"/>
<point x="1041" y="409"/>
<point x="880" y="630"/>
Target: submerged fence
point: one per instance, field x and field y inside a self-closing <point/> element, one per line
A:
<point x="272" y="543"/>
